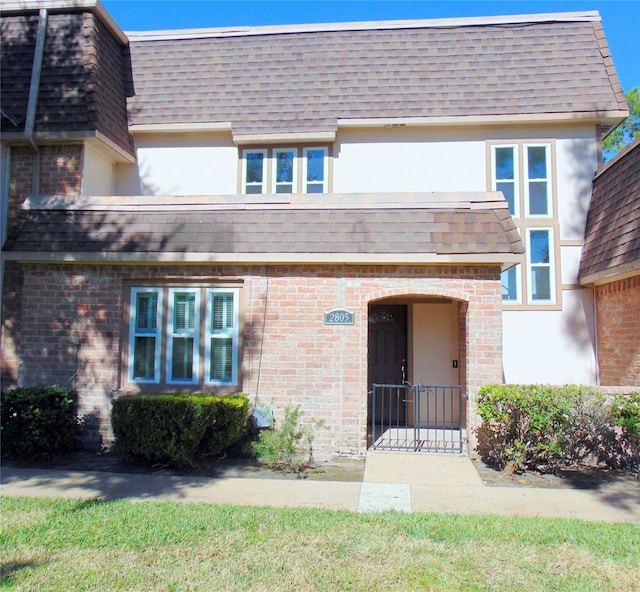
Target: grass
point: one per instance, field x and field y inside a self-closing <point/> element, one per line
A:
<point x="48" y="544"/>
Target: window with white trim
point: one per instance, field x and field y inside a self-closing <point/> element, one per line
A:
<point x="144" y="335"/>
<point x="540" y="274"/>
<point x="315" y="170"/>
<point x="285" y="164"/>
<point x="184" y="336"/>
<point x="522" y="171"/>
<point x="537" y="186"/>
<point x="504" y="170"/>
<point x="254" y="171"/>
<point x="285" y="170"/>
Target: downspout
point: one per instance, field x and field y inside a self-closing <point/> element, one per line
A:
<point x="32" y="105"/>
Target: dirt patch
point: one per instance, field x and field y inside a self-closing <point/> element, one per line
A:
<point x="232" y="465"/>
<point x="578" y="477"/>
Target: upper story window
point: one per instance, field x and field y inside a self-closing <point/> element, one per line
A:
<point x="537" y="187"/>
<point x="315" y="170"/>
<point x="285" y="170"/>
<point x="255" y="171"/>
<point x="522" y="171"/>
<point x="183" y="336"/>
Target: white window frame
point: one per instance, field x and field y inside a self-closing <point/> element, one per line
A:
<point x="527" y="180"/>
<point x="550" y="265"/>
<point x="133" y="333"/>
<point x="172" y="333"/>
<point x="227" y="333"/>
<point x="517" y="269"/>
<point x="265" y="160"/>
<point x="325" y="169"/>
<point x="294" y="170"/>
<point x="515" y="149"/>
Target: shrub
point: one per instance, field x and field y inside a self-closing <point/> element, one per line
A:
<point x="544" y="427"/>
<point x="288" y="447"/>
<point x="38" y="422"/>
<point x="177" y="428"/>
<point x="626" y="414"/>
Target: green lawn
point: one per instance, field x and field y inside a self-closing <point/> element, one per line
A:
<point x="48" y="544"/>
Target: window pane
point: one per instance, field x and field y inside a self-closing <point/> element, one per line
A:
<point x="509" y="194"/>
<point x="144" y="357"/>
<point x="537" y="162"/>
<point x="284" y="188"/>
<point x="182" y="358"/>
<point x="146" y="309"/>
<point x="222" y="312"/>
<point x="538" y="198"/>
<point x="509" y="285"/>
<point x="221" y="359"/>
<point x="254" y="167"/>
<point x="315" y="188"/>
<point x="253" y="189"/>
<point x="504" y="163"/>
<point x="315" y="165"/>
<point x="184" y="312"/>
<point x="539" y="246"/>
<point x="541" y="284"/>
<point x="284" y="167"/>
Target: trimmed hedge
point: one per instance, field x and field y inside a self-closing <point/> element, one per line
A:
<point x="541" y="427"/>
<point x="177" y="428"/>
<point x="38" y="422"/>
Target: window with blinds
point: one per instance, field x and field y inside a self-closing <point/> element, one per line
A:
<point x="184" y="335"/>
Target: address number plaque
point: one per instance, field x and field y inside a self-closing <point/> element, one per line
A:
<point x="339" y="316"/>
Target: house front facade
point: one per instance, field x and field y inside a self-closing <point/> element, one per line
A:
<point x="301" y="212"/>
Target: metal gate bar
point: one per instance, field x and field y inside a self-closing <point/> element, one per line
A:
<point x="416" y="417"/>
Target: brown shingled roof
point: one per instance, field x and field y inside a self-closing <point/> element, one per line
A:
<point x="468" y="232"/>
<point x="612" y="236"/>
<point x="306" y="80"/>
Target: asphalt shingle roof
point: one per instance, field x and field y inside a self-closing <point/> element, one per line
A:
<point x="306" y="81"/>
<point x="240" y="233"/>
<point x="612" y="235"/>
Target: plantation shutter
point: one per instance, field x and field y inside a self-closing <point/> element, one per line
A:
<point x="183" y="338"/>
<point x="145" y="336"/>
<point x="222" y="336"/>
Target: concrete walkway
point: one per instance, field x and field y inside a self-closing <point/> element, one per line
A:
<point x="392" y="481"/>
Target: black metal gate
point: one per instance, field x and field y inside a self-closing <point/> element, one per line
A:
<point x="416" y="417"/>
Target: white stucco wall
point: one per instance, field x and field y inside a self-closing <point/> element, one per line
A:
<point x="97" y="173"/>
<point x="408" y="159"/>
<point x="554" y="347"/>
<point x="181" y="164"/>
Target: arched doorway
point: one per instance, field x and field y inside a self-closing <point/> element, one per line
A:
<point x="415" y="397"/>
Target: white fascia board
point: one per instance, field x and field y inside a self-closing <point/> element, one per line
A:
<point x="284" y="138"/>
<point x="184" y="128"/>
<point x="458" y="200"/>
<point x="470" y="120"/>
<point x="621" y="272"/>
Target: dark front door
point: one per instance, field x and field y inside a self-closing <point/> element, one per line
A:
<point x="387" y="353"/>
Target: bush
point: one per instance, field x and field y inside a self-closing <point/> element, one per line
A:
<point x="177" y="428"/>
<point x="38" y="422"/>
<point x="537" y="427"/>
<point x="288" y="447"/>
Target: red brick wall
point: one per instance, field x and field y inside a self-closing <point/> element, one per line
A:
<point x="618" y="315"/>
<point x="60" y="174"/>
<point x="289" y="356"/>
